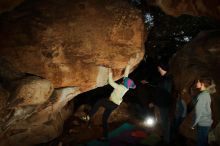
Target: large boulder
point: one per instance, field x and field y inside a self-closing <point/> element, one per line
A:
<point x="27" y="123"/>
<point x="32" y="91"/>
<point x="40" y="123"/>
<point x="52" y="51"/>
<point x="60" y="41"/>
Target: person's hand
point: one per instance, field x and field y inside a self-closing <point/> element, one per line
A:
<point x="132" y="61"/>
<point x="151" y="105"/>
<point x="192" y="128"/>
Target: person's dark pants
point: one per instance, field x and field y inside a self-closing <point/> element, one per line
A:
<point x="177" y="123"/>
<point x="174" y="127"/>
<point x="165" y="123"/>
<point x="202" y="135"/>
<point x="109" y="107"/>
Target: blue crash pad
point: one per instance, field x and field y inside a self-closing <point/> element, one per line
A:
<point x="112" y="134"/>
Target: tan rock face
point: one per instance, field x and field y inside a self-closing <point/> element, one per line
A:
<point x="33" y="91"/>
<point x="201" y="57"/>
<point x="67" y="47"/>
<point x="46" y="123"/>
<point x="196" y="8"/>
<point x="24" y="123"/>
<point x="67" y="42"/>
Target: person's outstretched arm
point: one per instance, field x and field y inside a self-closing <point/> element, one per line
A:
<point x="131" y="62"/>
<point x="127" y="70"/>
<point x="111" y="81"/>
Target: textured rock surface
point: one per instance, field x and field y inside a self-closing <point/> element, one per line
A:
<point x="60" y="41"/>
<point x="201" y="57"/>
<point x="52" y="51"/>
<point x="195" y="7"/>
<point x="33" y="91"/>
<point x="47" y="123"/>
<point x="31" y="124"/>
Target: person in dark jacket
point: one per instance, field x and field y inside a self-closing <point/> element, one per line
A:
<point x="163" y="98"/>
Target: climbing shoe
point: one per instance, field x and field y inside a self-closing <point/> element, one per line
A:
<point x="85" y="118"/>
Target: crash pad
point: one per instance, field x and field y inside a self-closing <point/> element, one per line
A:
<point x="124" y="127"/>
<point x="127" y="134"/>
